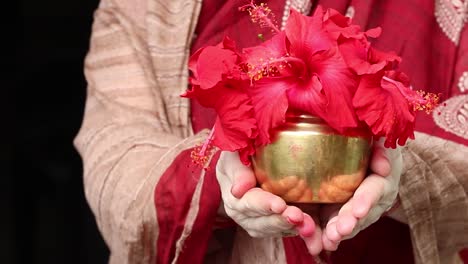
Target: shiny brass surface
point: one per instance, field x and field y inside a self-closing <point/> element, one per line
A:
<point x="309" y="162"/>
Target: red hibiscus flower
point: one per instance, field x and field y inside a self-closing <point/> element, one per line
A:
<point x="338" y="26"/>
<point x="323" y="65"/>
<point x="386" y="103"/>
<point x="216" y="83"/>
<point x="303" y="69"/>
<point x="363" y="59"/>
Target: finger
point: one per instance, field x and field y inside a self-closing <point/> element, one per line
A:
<point x="367" y="195"/>
<point x="244" y="180"/>
<point x="293" y="215"/>
<point x="328" y="244"/>
<point x="307" y="227"/>
<point x="380" y="163"/>
<point x="270" y="225"/>
<point x="372" y="217"/>
<point x="314" y="242"/>
<point x="331" y="233"/>
<point x="257" y="202"/>
<point x="345" y="224"/>
<point x="346" y="221"/>
<point x="241" y="176"/>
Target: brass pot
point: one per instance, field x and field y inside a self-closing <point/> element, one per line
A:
<point x="309" y="162"/>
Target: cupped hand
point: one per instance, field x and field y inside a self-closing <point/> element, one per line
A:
<point x="374" y="197"/>
<point x="260" y="213"/>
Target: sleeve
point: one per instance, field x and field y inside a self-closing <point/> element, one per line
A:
<point x="433" y="193"/>
<point x="128" y="140"/>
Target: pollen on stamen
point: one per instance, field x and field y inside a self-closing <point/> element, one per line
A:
<point x="262" y="15"/>
<point x="270" y="67"/>
<point x="201" y="154"/>
<point x="201" y="158"/>
<point x="427" y="101"/>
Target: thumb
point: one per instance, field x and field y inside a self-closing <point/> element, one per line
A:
<point x="244" y="180"/>
<point x="242" y="177"/>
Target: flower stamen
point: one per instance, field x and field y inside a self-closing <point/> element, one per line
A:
<point x="201" y="154"/>
<point x="262" y="15"/>
<point x="270" y="68"/>
<point x="419" y="100"/>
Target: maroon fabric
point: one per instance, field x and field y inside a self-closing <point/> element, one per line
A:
<point x="386" y="241"/>
<point x="172" y="198"/>
<point x="464" y="255"/>
<point x="197" y="242"/>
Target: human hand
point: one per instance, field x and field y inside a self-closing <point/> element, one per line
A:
<point x="260" y="213"/>
<point x="373" y="197"/>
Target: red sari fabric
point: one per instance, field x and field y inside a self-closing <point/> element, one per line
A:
<point x="173" y="197"/>
<point x="429" y="57"/>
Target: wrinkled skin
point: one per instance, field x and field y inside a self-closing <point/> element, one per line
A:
<point x="263" y="214"/>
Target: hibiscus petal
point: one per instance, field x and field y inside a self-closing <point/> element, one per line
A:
<point x="203" y="96"/>
<point x="272" y="48"/>
<point x="192" y="63"/>
<point x="308" y="97"/>
<point x="332" y="15"/>
<point x="213" y="62"/>
<point x="338" y="25"/>
<point x="374" y="32"/>
<point x="385" y="110"/>
<point x="364" y="59"/>
<point x="211" y="73"/>
<point x="246" y="153"/>
<point x="270" y="105"/>
<point x="228" y="43"/>
<point x="306" y="34"/>
<point x="338" y="84"/>
<point x="376" y="56"/>
<point x="235" y="127"/>
<point x="268" y="59"/>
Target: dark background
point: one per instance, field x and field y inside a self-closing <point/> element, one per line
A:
<point x="45" y="217"/>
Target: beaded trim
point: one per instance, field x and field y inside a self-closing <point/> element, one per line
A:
<point x="350" y="12"/>
<point x="453" y="116"/>
<point x="451" y="16"/>
<point x="463" y="82"/>
<point x="303" y="6"/>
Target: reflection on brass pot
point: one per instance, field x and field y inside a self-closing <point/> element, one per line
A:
<point x="309" y="162"/>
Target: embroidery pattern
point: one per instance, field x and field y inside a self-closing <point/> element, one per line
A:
<point x="463" y="82"/>
<point x="453" y="117"/>
<point x="303" y="6"/>
<point x="350" y="12"/>
<point x="451" y="16"/>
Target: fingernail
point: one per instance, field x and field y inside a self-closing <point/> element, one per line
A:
<point x="293" y="222"/>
